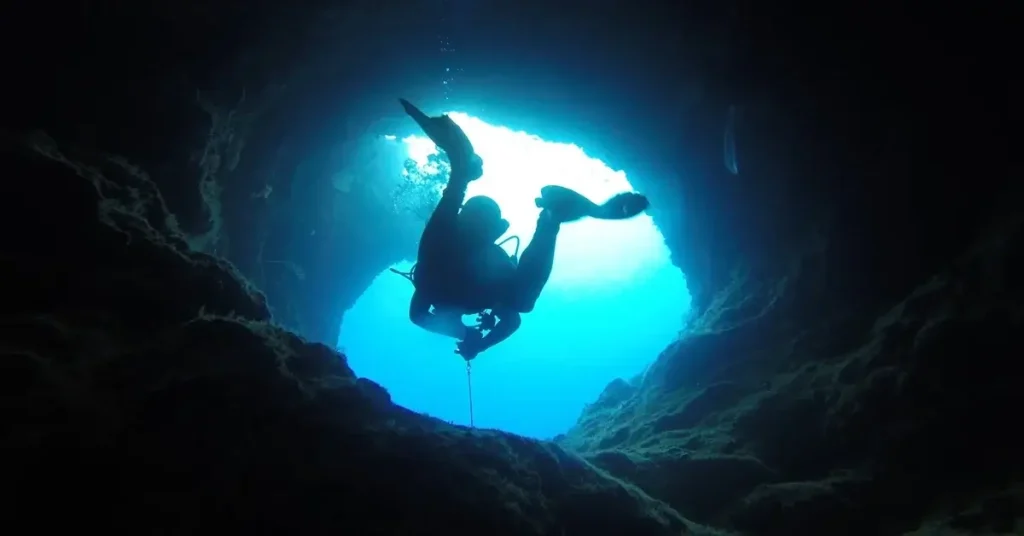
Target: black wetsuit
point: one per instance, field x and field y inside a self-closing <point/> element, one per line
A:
<point x="447" y="270"/>
<point x="455" y="277"/>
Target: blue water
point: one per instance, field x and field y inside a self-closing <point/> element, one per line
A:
<point x="613" y="303"/>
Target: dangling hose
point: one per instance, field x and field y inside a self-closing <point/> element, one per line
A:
<point x="469" y="383"/>
<point x="410" y="275"/>
<point x="513" y="237"/>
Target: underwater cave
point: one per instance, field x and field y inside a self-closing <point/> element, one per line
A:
<point x="813" y="330"/>
<point x="613" y="303"/>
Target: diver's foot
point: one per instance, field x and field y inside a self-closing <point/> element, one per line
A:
<point x="565" y="205"/>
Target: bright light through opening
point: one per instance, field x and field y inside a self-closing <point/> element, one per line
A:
<point x="613" y="302"/>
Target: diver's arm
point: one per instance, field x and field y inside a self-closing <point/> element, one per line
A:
<point x="419" y="313"/>
<point x="508" y="323"/>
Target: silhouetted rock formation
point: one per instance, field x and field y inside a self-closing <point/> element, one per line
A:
<point x="146" y="390"/>
<point x="864" y="426"/>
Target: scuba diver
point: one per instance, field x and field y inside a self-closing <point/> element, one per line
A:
<point x="460" y="268"/>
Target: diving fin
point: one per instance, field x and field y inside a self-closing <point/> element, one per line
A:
<point x="623" y="206"/>
<point x="564" y="204"/>
<point x="421" y="118"/>
<point x="445" y="133"/>
<point x="567" y="205"/>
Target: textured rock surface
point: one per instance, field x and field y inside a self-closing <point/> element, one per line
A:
<point x="144" y="389"/>
<point x="865" y="426"/>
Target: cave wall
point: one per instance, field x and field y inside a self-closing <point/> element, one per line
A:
<point x="858" y="135"/>
<point x="857" y="321"/>
<point x="242" y="115"/>
<point x="840" y="120"/>
<point x="881" y="423"/>
<point x="131" y="359"/>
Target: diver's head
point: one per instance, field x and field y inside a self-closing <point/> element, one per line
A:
<point x="480" y="220"/>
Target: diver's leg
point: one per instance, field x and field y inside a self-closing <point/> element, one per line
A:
<point x="569" y="205"/>
<point x="450" y="137"/>
<point x="443" y="323"/>
<point x="566" y="205"/>
<point x="440" y="230"/>
<point x="561" y="205"/>
<point x="536" y="263"/>
<point x="438" y="246"/>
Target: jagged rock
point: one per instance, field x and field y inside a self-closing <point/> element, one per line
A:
<point x="796" y="507"/>
<point x="145" y="389"/>
<point x="908" y="424"/>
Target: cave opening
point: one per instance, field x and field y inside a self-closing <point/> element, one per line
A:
<point x="613" y="303"/>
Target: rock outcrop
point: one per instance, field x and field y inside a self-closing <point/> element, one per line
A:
<point x="146" y="389"/>
<point x="875" y="424"/>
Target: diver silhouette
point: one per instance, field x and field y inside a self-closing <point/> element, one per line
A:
<point x="461" y="270"/>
